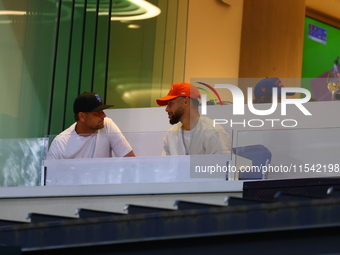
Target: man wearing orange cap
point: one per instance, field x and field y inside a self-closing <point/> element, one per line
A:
<point x="195" y="134"/>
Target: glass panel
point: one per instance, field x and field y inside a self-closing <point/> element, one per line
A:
<point x="102" y="48"/>
<point x="89" y="48"/>
<point x="62" y="59"/>
<point x="144" y="144"/>
<point x="21" y="161"/>
<point x="147" y="167"/>
<point x="127" y="55"/>
<point x="142" y="55"/>
<point x="298" y="153"/>
<point x="133" y="170"/>
<point x="26" y="57"/>
<point x="75" y="57"/>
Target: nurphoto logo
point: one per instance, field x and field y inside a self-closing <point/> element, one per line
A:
<point x="238" y="104"/>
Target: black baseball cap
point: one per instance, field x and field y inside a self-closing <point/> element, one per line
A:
<point x="89" y="102"/>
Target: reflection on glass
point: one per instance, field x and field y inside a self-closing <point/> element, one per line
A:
<point x="133" y="10"/>
<point x="295" y="154"/>
<point x="142" y="54"/>
<point x="21" y="161"/>
<point x="27" y="31"/>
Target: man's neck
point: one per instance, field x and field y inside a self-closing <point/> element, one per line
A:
<point x="80" y="130"/>
<point x="190" y="122"/>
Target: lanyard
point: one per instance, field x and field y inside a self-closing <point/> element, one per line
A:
<point x="185" y="147"/>
<point x="192" y="132"/>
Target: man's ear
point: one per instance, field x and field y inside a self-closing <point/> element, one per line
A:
<point x="81" y="116"/>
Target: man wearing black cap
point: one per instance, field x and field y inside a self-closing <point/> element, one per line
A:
<point x="92" y="135"/>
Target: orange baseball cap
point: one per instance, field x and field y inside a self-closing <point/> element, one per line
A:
<point x="181" y="89"/>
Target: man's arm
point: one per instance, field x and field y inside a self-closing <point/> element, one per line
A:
<point x="54" y="151"/>
<point x="130" y="154"/>
<point x="118" y="143"/>
<point x="166" y="151"/>
<point x="218" y="143"/>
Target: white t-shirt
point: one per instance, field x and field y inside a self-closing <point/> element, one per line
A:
<point x="204" y="138"/>
<point x="108" y="142"/>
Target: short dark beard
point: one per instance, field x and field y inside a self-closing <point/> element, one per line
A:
<point x="176" y="116"/>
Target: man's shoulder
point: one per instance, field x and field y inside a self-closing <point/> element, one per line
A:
<point x="174" y="131"/>
<point x="66" y="133"/>
<point x="109" y="127"/>
<point x="108" y="119"/>
<point x="206" y="122"/>
<point x="109" y="122"/>
<point x="177" y="127"/>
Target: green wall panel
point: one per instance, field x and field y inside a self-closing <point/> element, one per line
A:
<point x="61" y="69"/>
<point x="75" y="56"/>
<point x="100" y="72"/>
<point x="319" y="58"/>
<point x="88" y="51"/>
<point x="81" y="52"/>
